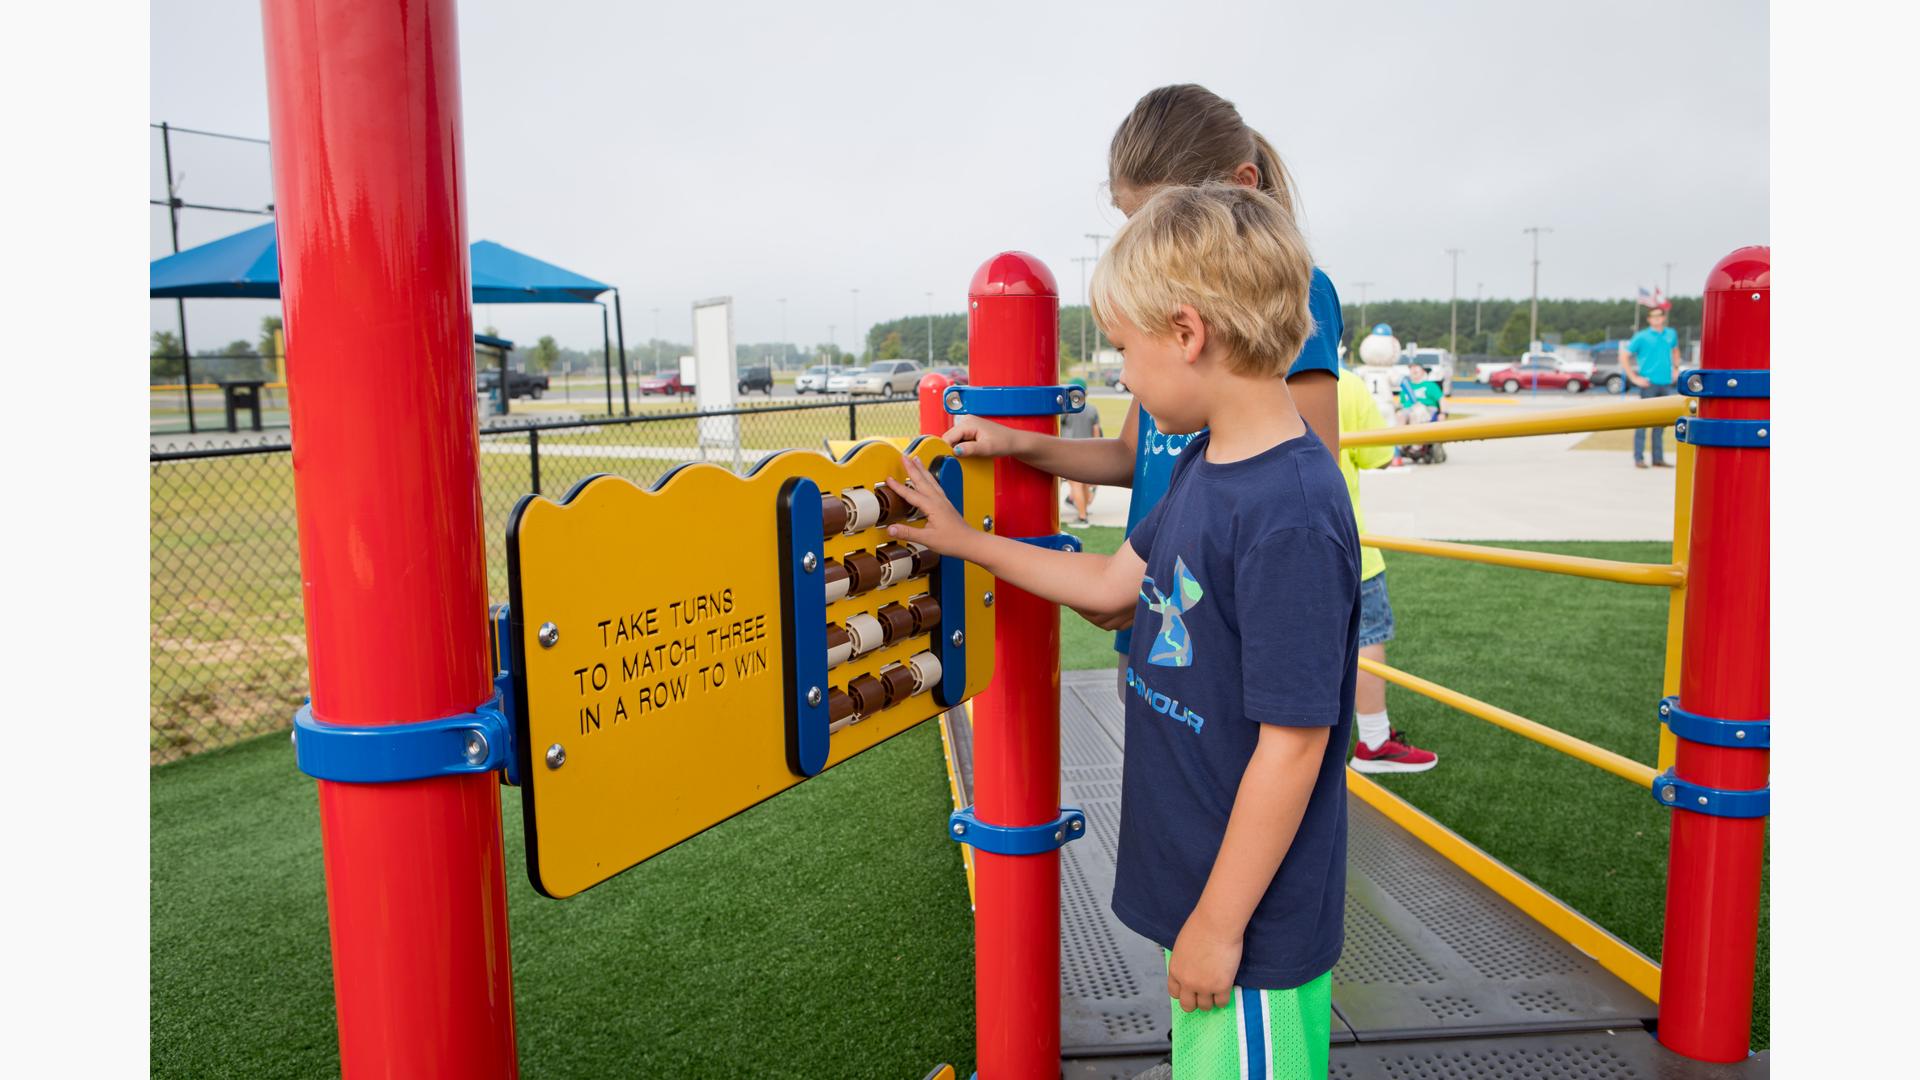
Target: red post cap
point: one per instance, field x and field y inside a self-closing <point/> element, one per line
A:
<point x="1013" y="273"/>
<point x="1742" y="270"/>
<point x="933" y="410"/>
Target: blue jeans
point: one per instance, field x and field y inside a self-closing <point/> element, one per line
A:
<point x="1640" y="434"/>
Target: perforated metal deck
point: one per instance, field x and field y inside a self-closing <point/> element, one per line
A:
<point x="1439" y="976"/>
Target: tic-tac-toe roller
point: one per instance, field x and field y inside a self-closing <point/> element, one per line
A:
<point x="790" y="633"/>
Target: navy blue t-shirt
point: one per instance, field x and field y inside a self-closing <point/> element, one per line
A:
<point x="1155" y="452"/>
<point x="1249" y="615"/>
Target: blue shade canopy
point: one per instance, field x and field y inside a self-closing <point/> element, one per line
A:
<point x="247" y="264"/>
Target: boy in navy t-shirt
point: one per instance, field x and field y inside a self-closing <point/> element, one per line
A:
<point x="1245" y="586"/>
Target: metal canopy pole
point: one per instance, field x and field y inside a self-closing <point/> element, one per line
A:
<point x="180" y="303"/>
<point x="620" y="328"/>
<point x="364" y="105"/>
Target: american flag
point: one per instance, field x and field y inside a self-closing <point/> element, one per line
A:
<point x="1653" y="299"/>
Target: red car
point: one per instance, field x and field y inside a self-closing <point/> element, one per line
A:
<point x="662" y="384"/>
<point x="1533" y="376"/>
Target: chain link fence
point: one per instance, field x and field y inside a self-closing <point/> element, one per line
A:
<point x="229" y="657"/>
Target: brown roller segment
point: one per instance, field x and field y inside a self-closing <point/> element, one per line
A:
<point x="892" y="507"/>
<point x="833" y="513"/>
<point x="896" y="622"/>
<point x="839" y="705"/>
<point x="924" y="560"/>
<point x="925" y="611"/>
<point x="831" y="573"/>
<point x="898" y="680"/>
<point x="868" y="693"/>
<point x="837" y="636"/>
<point x="863" y="572"/>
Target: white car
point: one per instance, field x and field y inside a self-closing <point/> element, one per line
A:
<point x="887" y="378"/>
<point x="814" y="380"/>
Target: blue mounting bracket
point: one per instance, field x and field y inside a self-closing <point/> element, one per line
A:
<point x="1014" y="400"/>
<point x="949" y="584"/>
<point x="805" y="634"/>
<point x="1670" y="790"/>
<point x="1726" y="382"/>
<point x="1058" y="542"/>
<point x="1740" y="434"/>
<point x="1740" y="734"/>
<point x="965" y="828"/>
<point x="475" y="742"/>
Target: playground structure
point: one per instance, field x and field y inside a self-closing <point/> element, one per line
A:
<point x="369" y="194"/>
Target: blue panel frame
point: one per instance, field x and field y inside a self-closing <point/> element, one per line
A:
<point x="802" y="528"/>
<point x="950" y="585"/>
<point x="1669" y="790"/>
<point x="964" y="827"/>
<point x="1693" y="727"/>
<point x="1013" y="400"/>
<point x="1727" y="382"/>
<point x="1738" y="434"/>
<point x="1057" y="542"/>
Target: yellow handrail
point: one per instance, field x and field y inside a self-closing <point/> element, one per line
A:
<point x="1611" y="416"/>
<point x="1621" y="766"/>
<point x="1628" y="573"/>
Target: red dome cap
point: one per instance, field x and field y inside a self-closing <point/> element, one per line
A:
<point x="1013" y="273"/>
<point x="1746" y="268"/>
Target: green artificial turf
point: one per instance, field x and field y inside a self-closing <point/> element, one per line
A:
<point x="826" y="933"/>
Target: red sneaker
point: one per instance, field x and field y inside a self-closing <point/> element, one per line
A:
<point x="1394" y="755"/>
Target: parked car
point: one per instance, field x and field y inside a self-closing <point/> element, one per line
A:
<point x="519" y="383"/>
<point x="1113" y="380"/>
<point x="756" y="378"/>
<point x="884" y="377"/>
<point x="957" y="374"/>
<point x="1536" y="375"/>
<point x="663" y="384"/>
<point x="814" y="379"/>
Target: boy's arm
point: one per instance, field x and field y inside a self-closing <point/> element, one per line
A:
<point x="1105" y="462"/>
<point x="1272" y="799"/>
<point x="1104" y="584"/>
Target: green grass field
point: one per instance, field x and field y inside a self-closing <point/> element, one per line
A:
<point x="832" y="922"/>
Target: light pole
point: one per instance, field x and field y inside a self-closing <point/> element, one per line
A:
<point x="833" y="339"/>
<point x="1477" y="286"/>
<point x="786" y="347"/>
<point x="1453" y="305"/>
<point x="656" y="341"/>
<point x="858" y="338"/>
<point x="1086" y="309"/>
<point x="1098" y="239"/>
<point x="929" y="329"/>
<point x="1533" y="316"/>
<point x="1362" y="286"/>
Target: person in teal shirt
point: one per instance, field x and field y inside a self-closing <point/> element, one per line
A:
<point x="1650" y="359"/>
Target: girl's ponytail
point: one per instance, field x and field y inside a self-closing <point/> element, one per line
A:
<point x="1274" y="178"/>
<point x="1189" y="135"/>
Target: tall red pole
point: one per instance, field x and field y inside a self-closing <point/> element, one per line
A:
<point x="1013" y="339"/>
<point x="1714" y="862"/>
<point x="364" y="103"/>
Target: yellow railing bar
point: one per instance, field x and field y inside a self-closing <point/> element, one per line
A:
<point x="1626" y="962"/>
<point x="1611" y="416"/>
<point x="1623" y="767"/>
<point x="1627" y="573"/>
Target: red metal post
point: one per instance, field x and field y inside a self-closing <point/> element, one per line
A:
<point x="1013" y="339"/>
<point x="1714" y="863"/>
<point x="933" y="412"/>
<point x="364" y="105"/>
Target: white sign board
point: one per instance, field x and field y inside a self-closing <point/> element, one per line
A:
<point x="713" y="378"/>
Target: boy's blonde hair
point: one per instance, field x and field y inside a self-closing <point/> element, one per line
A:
<point x="1230" y="251"/>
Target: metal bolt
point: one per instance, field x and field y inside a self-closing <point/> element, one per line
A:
<point x="476" y="748"/>
<point x="1695" y="383"/>
<point x="953" y="402"/>
<point x="813" y="695"/>
<point x="556" y="756"/>
<point x="986" y="523"/>
<point x="1059" y="836"/>
<point x="986" y="599"/>
<point x="1667" y="793"/>
<point x="1756" y="296"/>
<point x="1731" y="381"/>
<point x="959" y="638"/>
<point x="960" y="827"/>
<point x="1060" y="400"/>
<point x="1739" y="734"/>
<point x="1762" y="433"/>
<point x="1665" y="709"/>
<point x="1703" y="800"/>
<point x="809" y="562"/>
<point x="549" y="634"/>
<point x="1693" y="405"/>
<point x="1078" y="824"/>
<point x="294" y="735"/>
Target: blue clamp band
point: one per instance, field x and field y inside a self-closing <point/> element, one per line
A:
<point x="964" y="828"/>
<point x="1058" y="542"/>
<point x="1700" y="431"/>
<point x="1726" y="382"/>
<point x="1740" y="734"/>
<point x="474" y="742"/>
<point x="1014" y="400"/>
<point x="1670" y="790"/>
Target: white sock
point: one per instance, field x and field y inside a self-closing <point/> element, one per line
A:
<point x="1374" y="728"/>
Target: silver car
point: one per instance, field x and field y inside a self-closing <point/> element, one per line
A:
<point x="814" y="379"/>
<point x="887" y="378"/>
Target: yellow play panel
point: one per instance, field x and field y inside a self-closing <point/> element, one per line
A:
<point x="661" y="675"/>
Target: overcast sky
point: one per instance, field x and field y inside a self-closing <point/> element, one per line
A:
<point x="769" y="150"/>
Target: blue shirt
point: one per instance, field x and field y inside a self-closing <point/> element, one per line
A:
<point x="1249" y="615"/>
<point x="1155" y="452"/>
<point x="1653" y="354"/>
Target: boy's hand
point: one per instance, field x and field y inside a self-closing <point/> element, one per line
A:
<point x="944" y="531"/>
<point x="971" y="436"/>
<point x="1200" y="975"/>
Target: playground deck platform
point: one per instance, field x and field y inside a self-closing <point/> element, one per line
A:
<point x="1440" y="976"/>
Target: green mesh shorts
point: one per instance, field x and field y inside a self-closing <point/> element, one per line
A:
<point x="1259" y="1035"/>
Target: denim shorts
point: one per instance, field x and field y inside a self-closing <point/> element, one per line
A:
<point x="1376" y="611"/>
